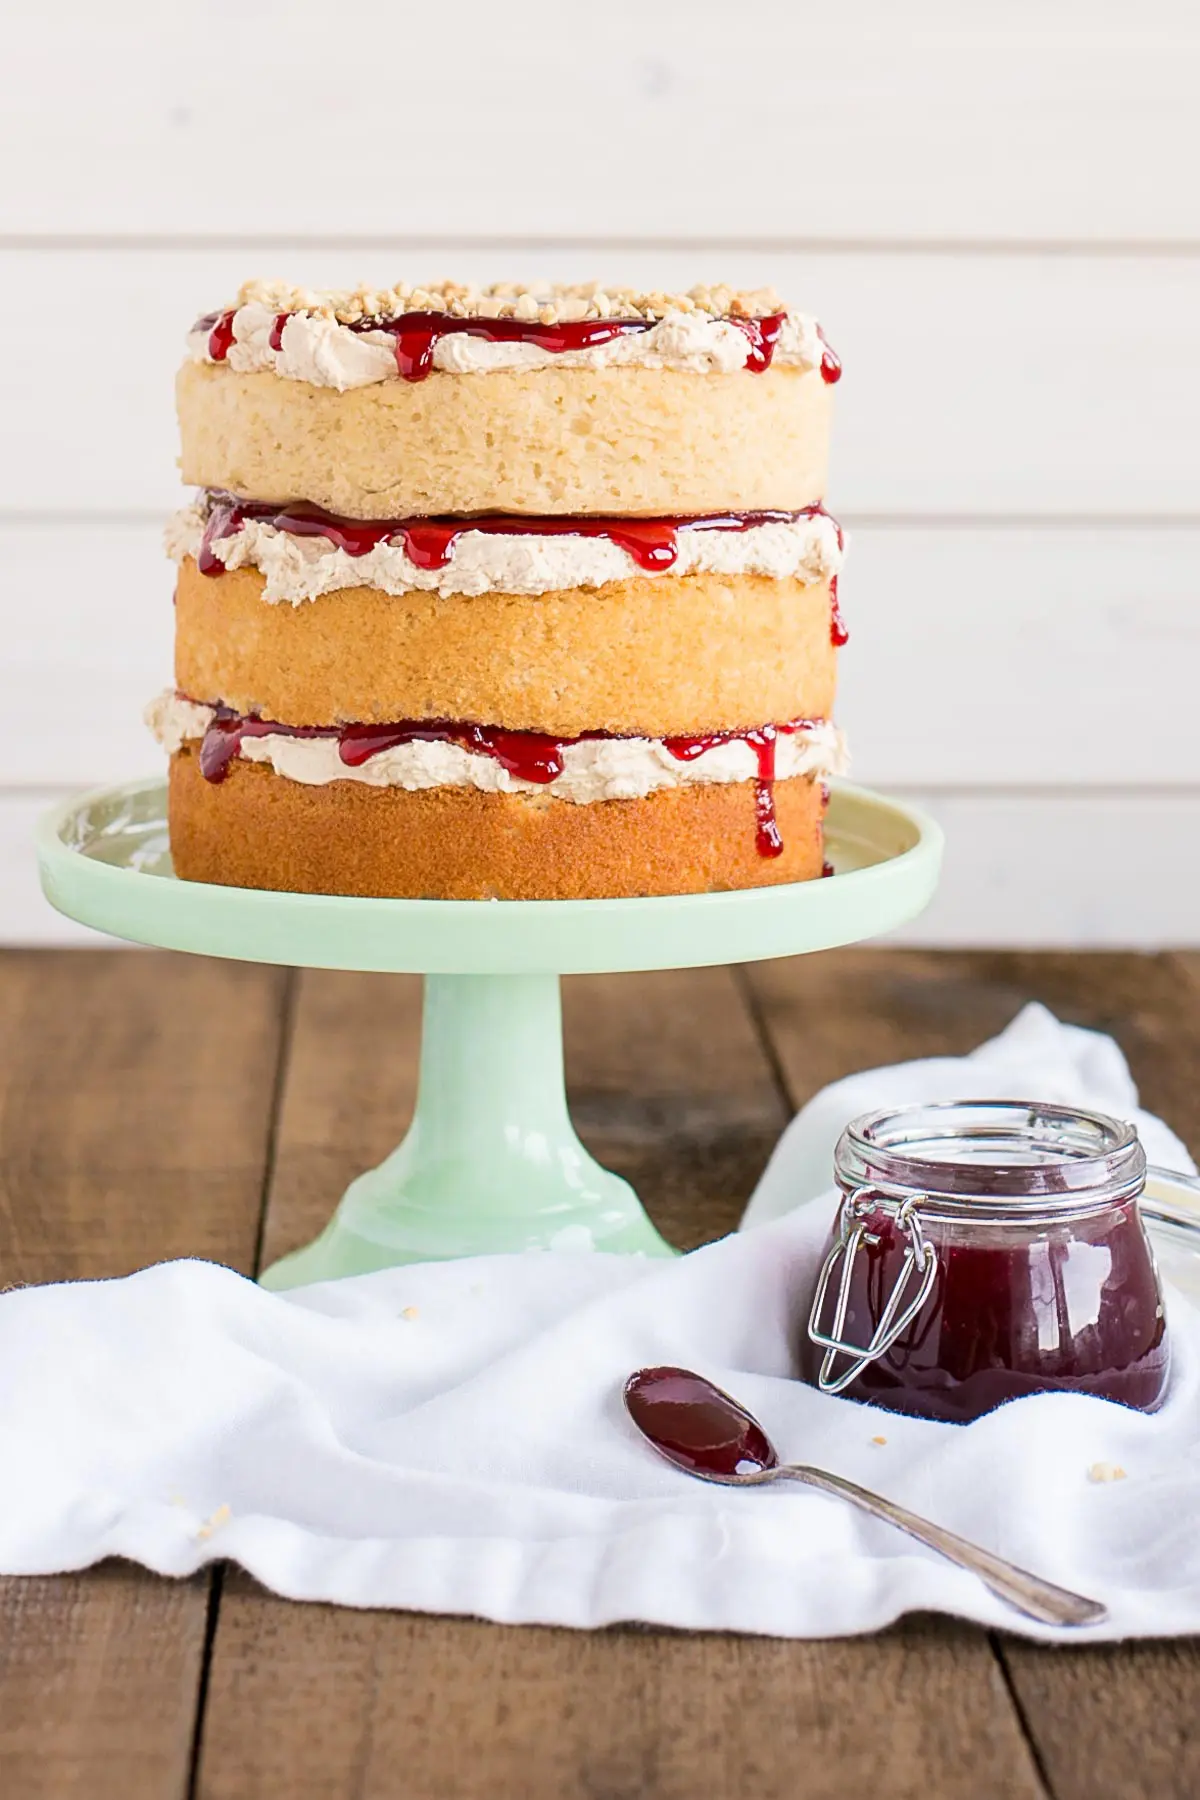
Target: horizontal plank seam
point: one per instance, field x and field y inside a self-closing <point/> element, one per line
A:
<point x="53" y="519"/>
<point x="139" y="243"/>
<point x="1099" y="793"/>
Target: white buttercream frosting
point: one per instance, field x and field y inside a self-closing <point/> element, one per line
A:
<point x="299" y="568"/>
<point x="316" y="348"/>
<point x="594" y="769"/>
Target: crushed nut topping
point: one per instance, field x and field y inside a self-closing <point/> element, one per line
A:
<point x="509" y="300"/>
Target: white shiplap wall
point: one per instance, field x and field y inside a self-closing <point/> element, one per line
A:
<point x="995" y="209"/>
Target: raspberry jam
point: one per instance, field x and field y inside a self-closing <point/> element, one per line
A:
<point x="415" y="336"/>
<point x="530" y="756"/>
<point x="986" y="1250"/>
<point x="695" y="1424"/>
<point x="653" y="544"/>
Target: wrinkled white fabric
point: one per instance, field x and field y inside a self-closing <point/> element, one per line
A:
<point x="450" y="1436"/>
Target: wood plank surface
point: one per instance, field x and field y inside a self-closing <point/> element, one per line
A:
<point x="135" y="1105"/>
<point x="971" y="385"/>
<point x="1126" y="1719"/>
<point x="933" y="122"/>
<point x="1115" y="1720"/>
<point x="671" y="1086"/>
<point x="351" y="1081"/>
<point x="311" y="1703"/>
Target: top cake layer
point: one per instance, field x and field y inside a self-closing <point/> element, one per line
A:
<point x="347" y="338"/>
<point x="576" y="400"/>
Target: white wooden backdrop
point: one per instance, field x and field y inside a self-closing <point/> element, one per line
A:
<point x="994" y="207"/>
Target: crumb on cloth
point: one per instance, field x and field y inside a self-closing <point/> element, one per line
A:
<point x="1106" y="1471"/>
<point x="215" y="1521"/>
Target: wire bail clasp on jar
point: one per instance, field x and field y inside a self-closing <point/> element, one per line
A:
<point x="852" y="1234"/>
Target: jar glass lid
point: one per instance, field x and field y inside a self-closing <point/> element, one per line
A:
<point x="994" y="1155"/>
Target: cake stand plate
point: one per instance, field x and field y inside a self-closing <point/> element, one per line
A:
<point x="491" y="1162"/>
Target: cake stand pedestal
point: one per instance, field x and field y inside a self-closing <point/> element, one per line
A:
<point x="491" y="1162"/>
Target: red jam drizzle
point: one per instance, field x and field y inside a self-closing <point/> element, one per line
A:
<point x="762" y="741"/>
<point x="219" y="327"/>
<point x="528" y="755"/>
<point x="1072" y="1308"/>
<point x="227" y="731"/>
<point x="762" y="336"/>
<point x="416" y="335"/>
<point x="429" y="543"/>
<point x="696" y="1425"/>
<point x="831" y="362"/>
<point x="838" y="633"/>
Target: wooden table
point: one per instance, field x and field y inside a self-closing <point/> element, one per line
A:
<point x="155" y="1106"/>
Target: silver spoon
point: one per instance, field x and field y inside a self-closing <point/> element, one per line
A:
<point x="708" y="1434"/>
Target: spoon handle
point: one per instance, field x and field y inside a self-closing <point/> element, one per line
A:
<point x="1042" y="1600"/>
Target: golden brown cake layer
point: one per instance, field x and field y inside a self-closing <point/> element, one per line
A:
<point x="657" y="656"/>
<point x="257" y="829"/>
<point x="620" y="440"/>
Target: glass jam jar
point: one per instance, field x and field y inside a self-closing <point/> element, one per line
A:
<point x="986" y="1249"/>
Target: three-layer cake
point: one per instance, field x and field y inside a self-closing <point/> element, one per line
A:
<point x="503" y="594"/>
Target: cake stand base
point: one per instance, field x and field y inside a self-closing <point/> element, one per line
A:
<point x="491" y="1161"/>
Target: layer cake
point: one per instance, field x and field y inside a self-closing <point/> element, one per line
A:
<point x="503" y="594"/>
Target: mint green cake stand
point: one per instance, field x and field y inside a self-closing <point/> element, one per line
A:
<point x="491" y="1161"/>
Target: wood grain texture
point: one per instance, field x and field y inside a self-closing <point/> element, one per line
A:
<point x="99" y="1675"/>
<point x="135" y="1101"/>
<point x="351" y="1080"/>
<point x="838" y="122"/>
<point x="669" y="1085"/>
<point x="1111" y="1720"/>
<point x="827" y="1016"/>
<point x="1118" y="1719"/>
<point x="1126" y="1719"/>
<point x="310" y="1702"/>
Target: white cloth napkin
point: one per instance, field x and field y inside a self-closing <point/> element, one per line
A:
<point x="450" y="1436"/>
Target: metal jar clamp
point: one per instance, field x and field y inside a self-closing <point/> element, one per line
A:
<point x="920" y="1255"/>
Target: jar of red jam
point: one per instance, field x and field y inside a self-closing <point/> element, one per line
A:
<point x="986" y="1249"/>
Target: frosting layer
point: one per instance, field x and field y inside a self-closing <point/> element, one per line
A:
<point x="298" y="567"/>
<point x="592" y="768"/>
<point x="316" y="347"/>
